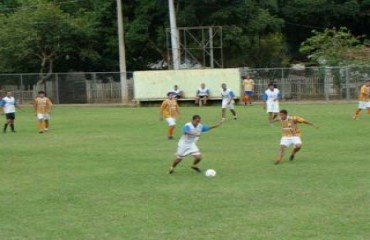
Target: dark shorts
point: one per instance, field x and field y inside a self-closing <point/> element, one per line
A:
<point x="10" y="116"/>
<point x="201" y="97"/>
<point x="249" y="93"/>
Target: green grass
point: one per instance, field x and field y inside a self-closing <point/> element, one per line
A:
<point x="101" y="173"/>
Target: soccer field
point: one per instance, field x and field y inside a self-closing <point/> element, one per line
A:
<point x="102" y="173"/>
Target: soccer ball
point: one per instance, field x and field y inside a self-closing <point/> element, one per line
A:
<point x="210" y="173"/>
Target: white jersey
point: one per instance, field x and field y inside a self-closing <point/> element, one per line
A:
<point x="227" y="95"/>
<point x="271" y="96"/>
<point x="190" y="128"/>
<point x="203" y="92"/>
<point x="8" y="104"/>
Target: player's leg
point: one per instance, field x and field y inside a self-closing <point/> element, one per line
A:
<point x="11" y="122"/>
<point x="297" y="146"/>
<point x="250" y="97"/>
<point x="223" y="113"/>
<point x="174" y="164"/>
<point x="41" y="122"/>
<point x="47" y="120"/>
<point x="197" y="159"/>
<point x="284" y="143"/>
<point x="7" y="121"/>
<point x="171" y="127"/>
<point x="205" y="98"/>
<point x="361" y="106"/>
<point x="232" y="110"/>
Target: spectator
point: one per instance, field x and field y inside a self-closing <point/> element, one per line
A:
<point x="202" y="95"/>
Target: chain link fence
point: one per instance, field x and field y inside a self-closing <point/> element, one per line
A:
<point x="310" y="83"/>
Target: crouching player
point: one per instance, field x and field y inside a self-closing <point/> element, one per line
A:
<point x="291" y="134"/>
<point x="187" y="146"/>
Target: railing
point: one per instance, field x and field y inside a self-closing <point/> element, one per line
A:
<point x="313" y="83"/>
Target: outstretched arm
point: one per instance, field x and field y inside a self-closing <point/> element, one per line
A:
<point x="217" y="125"/>
<point x="310" y="123"/>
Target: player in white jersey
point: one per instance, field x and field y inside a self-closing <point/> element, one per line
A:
<point x="227" y="101"/>
<point x="9" y="104"/>
<point x="202" y="95"/>
<point x="271" y="98"/>
<point x="187" y="143"/>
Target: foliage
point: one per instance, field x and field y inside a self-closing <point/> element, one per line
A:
<point x="331" y="46"/>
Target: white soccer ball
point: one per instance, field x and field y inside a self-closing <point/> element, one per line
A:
<point x="210" y="173"/>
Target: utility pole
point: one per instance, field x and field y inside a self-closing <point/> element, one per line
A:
<point x="174" y="36"/>
<point x="122" y="54"/>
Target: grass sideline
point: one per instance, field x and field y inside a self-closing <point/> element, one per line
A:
<point x="101" y="173"/>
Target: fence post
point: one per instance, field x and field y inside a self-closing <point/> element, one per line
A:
<point x="57" y="87"/>
<point x="326" y="83"/>
<point x="348" y="93"/>
<point x="22" y="89"/>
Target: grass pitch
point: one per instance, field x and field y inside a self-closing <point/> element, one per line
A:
<point x="101" y="173"/>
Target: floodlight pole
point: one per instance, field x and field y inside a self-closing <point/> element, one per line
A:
<point x="174" y="36"/>
<point x="122" y="55"/>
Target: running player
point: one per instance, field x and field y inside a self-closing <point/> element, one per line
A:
<point x="227" y="101"/>
<point x="186" y="146"/>
<point x="9" y="104"/>
<point x="271" y="104"/>
<point x="248" y="89"/>
<point x="42" y="106"/>
<point x="291" y="134"/>
<point x="364" y="100"/>
<point x="169" y="111"/>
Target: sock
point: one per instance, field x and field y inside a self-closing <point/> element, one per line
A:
<point x="46" y="124"/>
<point x="171" y="130"/>
<point x="12" y="127"/>
<point x="357" y="112"/>
<point x="5" y="127"/>
<point x="41" y="125"/>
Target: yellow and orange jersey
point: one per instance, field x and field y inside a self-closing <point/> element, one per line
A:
<point x="290" y="126"/>
<point x="42" y="105"/>
<point x="364" y="93"/>
<point x="248" y="84"/>
<point x="169" y="108"/>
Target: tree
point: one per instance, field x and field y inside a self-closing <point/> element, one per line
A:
<point x="333" y="47"/>
<point x="35" y="37"/>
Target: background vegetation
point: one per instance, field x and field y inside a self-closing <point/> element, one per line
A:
<point x="81" y="35"/>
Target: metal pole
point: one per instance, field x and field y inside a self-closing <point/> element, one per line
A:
<point x="326" y="83"/>
<point x="211" y="58"/>
<point x="348" y="93"/>
<point x="122" y="55"/>
<point x="174" y="36"/>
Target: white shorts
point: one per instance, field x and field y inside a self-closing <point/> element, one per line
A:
<point x="42" y="116"/>
<point x="171" y="121"/>
<point x="363" y="105"/>
<point x="226" y="105"/>
<point x="287" y="141"/>
<point x="272" y="107"/>
<point x="187" y="149"/>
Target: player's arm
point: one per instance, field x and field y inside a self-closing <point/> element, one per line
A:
<point x="232" y="96"/>
<point x="302" y="120"/>
<point x="2" y="104"/>
<point x="264" y="98"/>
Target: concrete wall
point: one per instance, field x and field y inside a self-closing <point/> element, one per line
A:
<point x="156" y="84"/>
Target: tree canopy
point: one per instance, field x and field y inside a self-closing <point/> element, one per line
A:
<point x="65" y="35"/>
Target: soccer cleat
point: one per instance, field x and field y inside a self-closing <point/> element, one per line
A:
<point x="170" y="138"/>
<point x="172" y="170"/>
<point x="235" y="117"/>
<point x="277" y="162"/>
<point x="355" y="117"/>
<point x="41" y="131"/>
<point x="196" y="168"/>
<point x="291" y="158"/>
<point x="46" y="129"/>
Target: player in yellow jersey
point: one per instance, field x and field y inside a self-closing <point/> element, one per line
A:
<point x="42" y="106"/>
<point x="169" y="111"/>
<point x="248" y="88"/>
<point x="291" y="134"/>
<point x="364" y="100"/>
